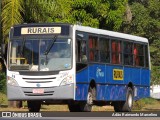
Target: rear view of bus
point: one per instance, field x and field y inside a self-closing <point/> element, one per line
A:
<point x="40" y="64"/>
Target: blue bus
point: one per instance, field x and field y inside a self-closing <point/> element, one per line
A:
<point x="76" y="65"/>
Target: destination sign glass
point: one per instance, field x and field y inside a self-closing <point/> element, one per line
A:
<point x="41" y="30"/>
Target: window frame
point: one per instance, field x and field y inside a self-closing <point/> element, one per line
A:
<point x="78" y="58"/>
<point x="110" y="39"/>
<point x="94" y="50"/>
<point x="119" y="53"/>
<point x="140" y="55"/>
<point x="129" y="54"/>
<point x="104" y="38"/>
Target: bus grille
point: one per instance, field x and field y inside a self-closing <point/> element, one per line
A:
<point x="39" y="80"/>
<point x="47" y="92"/>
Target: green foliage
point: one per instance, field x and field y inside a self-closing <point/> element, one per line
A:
<point x="116" y="14"/>
<point x="149" y="101"/>
<point x="104" y="14"/>
<point x="145" y="20"/>
<point x="2" y="82"/>
<point x="46" y="10"/>
<point x="11" y="14"/>
<point x="155" y="75"/>
<point x="3" y="99"/>
<point x="146" y="23"/>
<point x="99" y="13"/>
<point x="85" y="12"/>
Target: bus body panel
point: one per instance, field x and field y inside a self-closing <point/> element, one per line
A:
<point x="132" y="75"/>
<point x="48" y="84"/>
<point x="81" y="91"/>
<point x="82" y="76"/>
<point x="107" y="88"/>
<point x="115" y="92"/>
<point x="145" y="77"/>
<point x="111" y="92"/>
<point x="52" y="93"/>
<point x="97" y="72"/>
<point x="141" y="92"/>
<point x="74" y="59"/>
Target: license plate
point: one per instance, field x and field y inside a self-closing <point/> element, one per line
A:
<point x="38" y="91"/>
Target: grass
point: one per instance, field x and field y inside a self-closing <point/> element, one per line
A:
<point x="151" y="104"/>
<point x="55" y="108"/>
<point x="3" y="99"/>
<point x="147" y="104"/>
<point x="4" y="106"/>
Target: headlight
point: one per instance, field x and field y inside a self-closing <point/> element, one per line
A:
<point x="67" y="80"/>
<point x="11" y="81"/>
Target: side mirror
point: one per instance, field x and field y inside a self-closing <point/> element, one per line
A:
<point x="2" y="50"/>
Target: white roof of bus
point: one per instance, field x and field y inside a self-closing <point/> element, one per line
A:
<point x="111" y="33"/>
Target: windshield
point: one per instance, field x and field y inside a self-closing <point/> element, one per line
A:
<point x="30" y="54"/>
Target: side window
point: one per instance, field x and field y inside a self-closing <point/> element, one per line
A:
<point x="93" y="49"/>
<point x="81" y="47"/>
<point x="128" y="53"/>
<point x="138" y="55"/>
<point x="146" y="56"/>
<point x="104" y="50"/>
<point x="116" y="52"/>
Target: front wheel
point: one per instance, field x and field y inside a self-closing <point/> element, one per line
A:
<point x="125" y="106"/>
<point x="87" y="105"/>
<point x="34" y="106"/>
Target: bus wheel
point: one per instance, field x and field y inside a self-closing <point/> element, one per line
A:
<point x="34" y="106"/>
<point x="87" y="105"/>
<point x="125" y="106"/>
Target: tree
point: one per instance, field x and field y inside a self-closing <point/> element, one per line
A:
<point x="29" y="11"/>
<point x="11" y="15"/>
<point x="146" y="23"/>
<point x="116" y="14"/>
<point x="47" y="10"/>
<point x="105" y="14"/>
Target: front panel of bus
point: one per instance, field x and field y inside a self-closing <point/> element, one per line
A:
<point x="40" y="62"/>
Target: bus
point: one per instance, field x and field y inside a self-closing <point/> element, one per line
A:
<point x="80" y="66"/>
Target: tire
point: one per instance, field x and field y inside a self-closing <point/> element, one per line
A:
<point x="85" y="106"/>
<point x="125" y="106"/>
<point x="34" y="106"/>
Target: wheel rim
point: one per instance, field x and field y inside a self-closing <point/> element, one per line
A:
<point x="90" y="98"/>
<point x="130" y="100"/>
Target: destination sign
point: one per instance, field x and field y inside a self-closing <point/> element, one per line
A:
<point x="118" y="74"/>
<point x="40" y="30"/>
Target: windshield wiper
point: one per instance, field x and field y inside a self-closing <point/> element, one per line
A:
<point x="51" y="45"/>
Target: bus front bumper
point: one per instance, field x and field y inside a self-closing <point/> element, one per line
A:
<point x="51" y="93"/>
